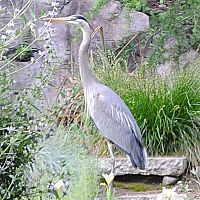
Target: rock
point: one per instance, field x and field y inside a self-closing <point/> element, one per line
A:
<point x="26" y="74"/>
<point x="118" y="24"/>
<point x="169" y="180"/>
<point x="164" y="69"/>
<point x="187" y="58"/>
<point x="169" y="44"/>
<point x="198" y="172"/>
<point x="161" y="166"/>
<point x="169" y="47"/>
<point x="152" y="197"/>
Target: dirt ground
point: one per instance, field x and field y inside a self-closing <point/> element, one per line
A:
<point x="158" y="6"/>
<point x="193" y="190"/>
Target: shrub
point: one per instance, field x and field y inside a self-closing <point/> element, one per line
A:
<point x="20" y="131"/>
<point x="60" y="157"/>
<point x="177" y="23"/>
<point x="21" y="119"/>
<point x="140" y="5"/>
<point x="25" y="121"/>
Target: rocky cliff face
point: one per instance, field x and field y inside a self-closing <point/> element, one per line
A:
<point x="117" y="24"/>
<point x="115" y="21"/>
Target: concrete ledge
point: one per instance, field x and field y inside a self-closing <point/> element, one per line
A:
<point x="161" y="166"/>
<point x="152" y="197"/>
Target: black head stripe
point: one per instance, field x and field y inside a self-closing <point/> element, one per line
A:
<point x="81" y="17"/>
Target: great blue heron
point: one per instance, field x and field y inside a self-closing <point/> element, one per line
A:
<point x="110" y="114"/>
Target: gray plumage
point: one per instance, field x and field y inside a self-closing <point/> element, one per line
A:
<point x="115" y="122"/>
<point x="110" y="114"/>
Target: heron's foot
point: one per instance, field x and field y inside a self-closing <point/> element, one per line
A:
<point x="112" y="165"/>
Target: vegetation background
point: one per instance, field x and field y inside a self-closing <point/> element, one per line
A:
<point x="42" y="146"/>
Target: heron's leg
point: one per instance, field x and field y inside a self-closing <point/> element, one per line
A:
<point x="111" y="155"/>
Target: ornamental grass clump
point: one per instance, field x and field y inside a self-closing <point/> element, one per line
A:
<point x="167" y="110"/>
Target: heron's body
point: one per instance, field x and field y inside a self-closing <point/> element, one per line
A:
<point x="115" y="122"/>
<point x="110" y="114"/>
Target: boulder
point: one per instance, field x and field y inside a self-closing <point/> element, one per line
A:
<point x="198" y="172"/>
<point x="165" y="69"/>
<point x="26" y="73"/>
<point x="161" y="166"/>
<point x="187" y="58"/>
<point x="118" y="23"/>
<point x="169" y="47"/>
<point x="169" y="180"/>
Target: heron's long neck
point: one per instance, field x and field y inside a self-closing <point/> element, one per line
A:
<point x="85" y="72"/>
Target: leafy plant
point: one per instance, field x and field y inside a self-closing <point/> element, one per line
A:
<point x="20" y="131"/>
<point x="22" y="121"/>
<point x="140" y="5"/>
<point x="61" y="158"/>
<point x="178" y="23"/>
<point x="97" y="7"/>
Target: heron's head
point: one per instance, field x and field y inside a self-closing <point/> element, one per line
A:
<point x="73" y="19"/>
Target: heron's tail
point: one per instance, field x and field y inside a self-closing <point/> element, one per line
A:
<point x="138" y="156"/>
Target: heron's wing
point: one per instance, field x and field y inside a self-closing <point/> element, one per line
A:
<point x="115" y="121"/>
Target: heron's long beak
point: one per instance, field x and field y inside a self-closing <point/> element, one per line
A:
<point x="57" y="19"/>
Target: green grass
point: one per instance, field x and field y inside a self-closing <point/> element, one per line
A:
<point x="167" y="110"/>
